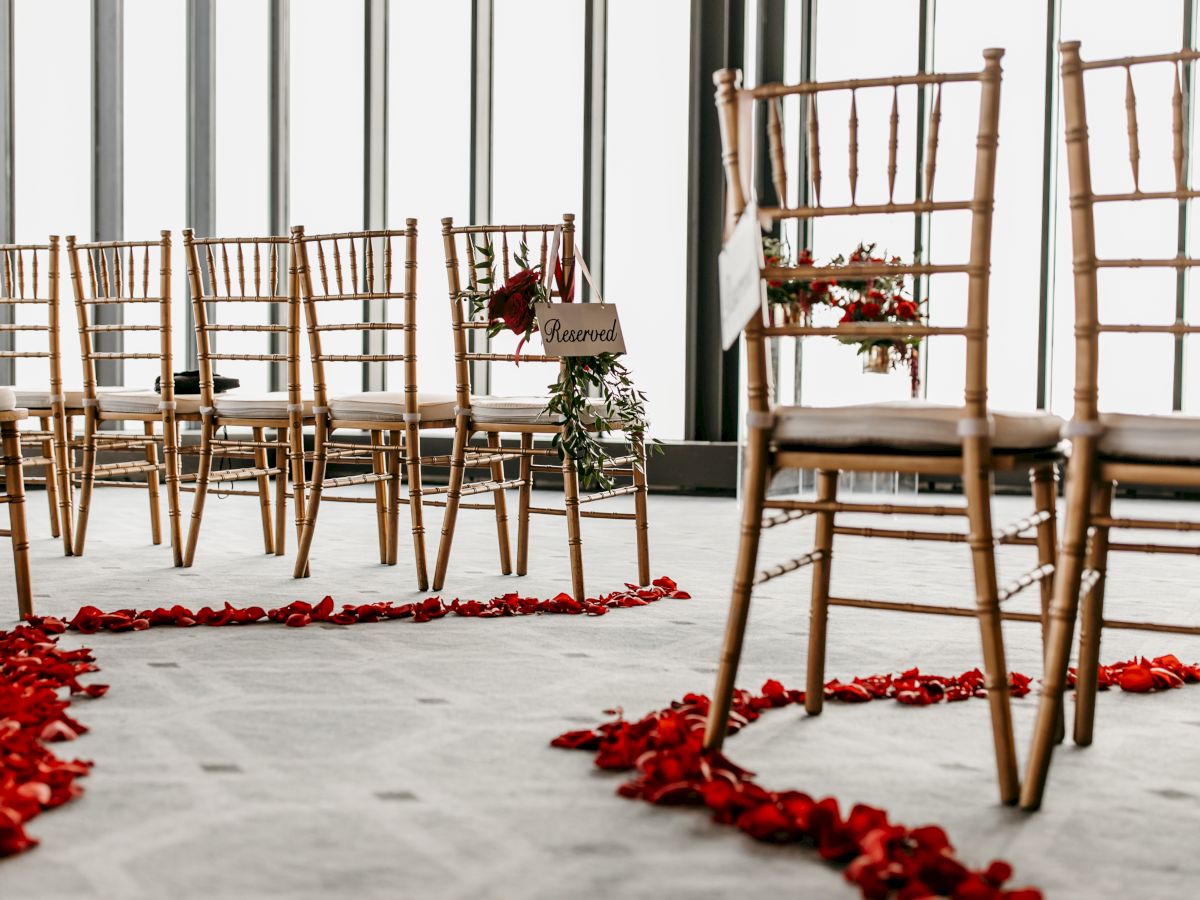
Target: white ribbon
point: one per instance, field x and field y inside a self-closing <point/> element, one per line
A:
<point x="206" y="410"/>
<point x="412" y="417"/>
<point x="58" y="398"/>
<point x="320" y="410"/>
<point x="165" y="405"/>
<point x="295" y="407"/>
<point x="974" y="427"/>
<point x="552" y="259"/>
<point x="462" y="410"/>
<point x="89" y="402"/>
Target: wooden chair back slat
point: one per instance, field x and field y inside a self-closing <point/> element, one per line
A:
<point x="734" y="102"/>
<point x="20" y="291"/>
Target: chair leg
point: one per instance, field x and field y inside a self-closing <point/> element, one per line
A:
<point x="86" y="482"/>
<point x="14" y="486"/>
<point x="314" y="498"/>
<point x="379" y="467"/>
<point x="523" y="503"/>
<point x="261" y="463"/>
<point x="1044" y="480"/>
<point x="574" y="532"/>
<point x="203" y="474"/>
<point x="152" y="485"/>
<point x="281" y="489"/>
<point x="977" y="485"/>
<point x="1091" y="622"/>
<point x="299" y="495"/>
<point x="416" y="512"/>
<point x="641" y="520"/>
<point x="500" y="502"/>
<point x="1067" y="579"/>
<point x="51" y="475"/>
<point x="394" y="464"/>
<point x="62" y="466"/>
<point x="754" y="492"/>
<point x="818" y="620"/>
<point x="453" y="496"/>
<point x="171" y="460"/>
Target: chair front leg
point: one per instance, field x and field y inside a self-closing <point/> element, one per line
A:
<point x="641" y="520"/>
<point x="262" y="463"/>
<point x="203" y="474"/>
<point x="152" y="483"/>
<point x="412" y="450"/>
<point x="977" y="486"/>
<point x="574" y="531"/>
<point x="14" y="485"/>
<point x="1068" y="577"/>
<point x="62" y="466"/>
<point x="524" y="499"/>
<point x="453" y="496"/>
<point x="282" y="450"/>
<point x="1091" y="622"/>
<point x="1044" y="480"/>
<point x="299" y="480"/>
<point x="87" y="480"/>
<point x="379" y="467"/>
<point x="51" y="475"/>
<point x="172" y="460"/>
<point x="500" y="502"/>
<point x="818" y="619"/>
<point x="320" y="461"/>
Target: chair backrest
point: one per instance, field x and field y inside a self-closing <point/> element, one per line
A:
<point x="111" y="279"/>
<point x="231" y="280"/>
<point x="29" y="277"/>
<point x="735" y="107"/>
<point x="473" y="358"/>
<point x="1084" y="203"/>
<point x="360" y="267"/>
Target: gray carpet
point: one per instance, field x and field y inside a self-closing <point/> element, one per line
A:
<point x="402" y="760"/>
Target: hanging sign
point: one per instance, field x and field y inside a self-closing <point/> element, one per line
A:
<point x="740" y="268"/>
<point x="579" y="329"/>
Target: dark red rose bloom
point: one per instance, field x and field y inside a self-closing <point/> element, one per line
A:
<point x="906" y="310"/>
<point x="870" y="311"/>
<point x="512" y="302"/>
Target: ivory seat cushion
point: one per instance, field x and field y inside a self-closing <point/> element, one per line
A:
<point x="388" y="406"/>
<point x="907" y="425"/>
<point x="115" y="400"/>
<point x="41" y="399"/>
<point x="8" y="399"/>
<point x="519" y="410"/>
<point x="270" y="405"/>
<point x="1167" y="438"/>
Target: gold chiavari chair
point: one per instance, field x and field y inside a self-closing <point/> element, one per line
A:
<point x="13" y="497"/>
<point x="228" y="276"/>
<point x="357" y="268"/>
<point x="117" y="275"/>
<point x="1107" y="449"/>
<point x="524" y="416"/>
<point x="30" y="279"/>
<point x="970" y="441"/>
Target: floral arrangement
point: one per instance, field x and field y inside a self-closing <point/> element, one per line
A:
<point x="586" y="419"/>
<point x="878" y="299"/>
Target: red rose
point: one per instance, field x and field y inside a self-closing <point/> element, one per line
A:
<point x="906" y="309"/>
<point x="870" y="311"/>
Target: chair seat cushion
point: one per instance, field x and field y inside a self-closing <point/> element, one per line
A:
<point x="8" y="399"/>
<point x="520" y="410"/>
<point x="41" y="399"/>
<point x="388" y="406"/>
<point x="272" y="405"/>
<point x="141" y="402"/>
<point x="907" y="425"/>
<point x="1169" y="438"/>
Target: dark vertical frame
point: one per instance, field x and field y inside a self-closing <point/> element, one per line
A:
<point x="7" y="194"/>
<point x="201" y="137"/>
<point x="1045" y="345"/>
<point x="926" y="32"/>
<point x="278" y="151"/>
<point x="1181" y="275"/>
<point x="595" y="92"/>
<point x="375" y="150"/>
<point x="717" y="31"/>
<point x="108" y="160"/>
<point x="481" y="154"/>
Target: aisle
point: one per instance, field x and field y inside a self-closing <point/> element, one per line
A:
<point x="396" y="760"/>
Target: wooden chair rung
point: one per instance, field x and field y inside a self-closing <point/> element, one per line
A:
<point x="792" y="565"/>
<point x="1168" y="549"/>
<point x="785" y="517"/>
<point x="476" y="487"/>
<point x="1019" y="584"/>
<point x="605" y="495"/>
<point x="347" y="480"/>
<point x="1143" y="524"/>
<point x="887" y="509"/>
<point x="585" y="514"/>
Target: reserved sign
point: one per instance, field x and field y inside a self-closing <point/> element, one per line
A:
<point x="579" y="329"/>
<point x="743" y="291"/>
